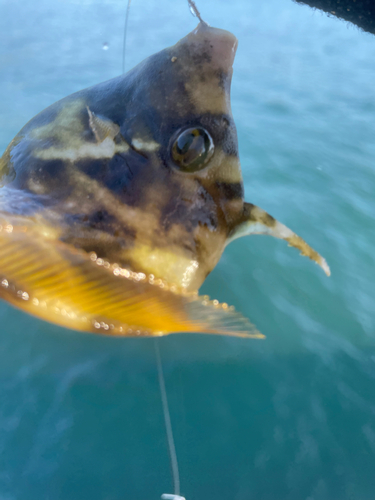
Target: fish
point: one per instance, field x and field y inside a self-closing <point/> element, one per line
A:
<point x="117" y="201"/>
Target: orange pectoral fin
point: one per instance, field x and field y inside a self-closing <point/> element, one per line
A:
<point x="69" y="287"/>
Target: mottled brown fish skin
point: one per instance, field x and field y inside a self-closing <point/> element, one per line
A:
<point x="117" y="201"/>
<point x="99" y="165"/>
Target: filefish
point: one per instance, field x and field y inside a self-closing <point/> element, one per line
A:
<point x="117" y="201"/>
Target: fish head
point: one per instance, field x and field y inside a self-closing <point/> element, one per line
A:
<point x="142" y="169"/>
<point x="192" y="188"/>
<point x="117" y="201"/>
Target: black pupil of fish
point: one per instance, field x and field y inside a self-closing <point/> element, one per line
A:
<point x="192" y="149"/>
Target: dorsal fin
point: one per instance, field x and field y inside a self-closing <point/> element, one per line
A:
<point x="102" y="127"/>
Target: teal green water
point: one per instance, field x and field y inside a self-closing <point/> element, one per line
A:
<point x="288" y="418"/>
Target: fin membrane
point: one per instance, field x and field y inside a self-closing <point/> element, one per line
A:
<point x="70" y="287"/>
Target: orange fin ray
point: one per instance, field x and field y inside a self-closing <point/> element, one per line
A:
<point x="58" y="283"/>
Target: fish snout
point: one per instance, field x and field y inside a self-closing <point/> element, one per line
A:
<point x="219" y="45"/>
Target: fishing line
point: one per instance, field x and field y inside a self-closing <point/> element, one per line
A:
<point x="168" y="429"/>
<point x="194" y="10"/>
<point x="125" y="34"/>
<point x="163" y="392"/>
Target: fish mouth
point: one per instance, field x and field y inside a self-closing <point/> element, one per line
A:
<point x="210" y="49"/>
<point x="222" y="44"/>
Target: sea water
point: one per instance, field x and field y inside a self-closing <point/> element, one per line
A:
<point x="290" y="417"/>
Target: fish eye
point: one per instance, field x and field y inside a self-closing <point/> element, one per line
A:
<point x="192" y="149"/>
